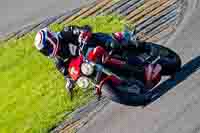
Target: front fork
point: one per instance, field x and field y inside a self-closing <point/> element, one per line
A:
<point x="97" y="84"/>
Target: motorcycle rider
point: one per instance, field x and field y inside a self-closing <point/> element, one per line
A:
<point x="60" y="46"/>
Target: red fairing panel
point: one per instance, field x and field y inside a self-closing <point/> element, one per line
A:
<point x="74" y="67"/>
<point x="96" y="53"/>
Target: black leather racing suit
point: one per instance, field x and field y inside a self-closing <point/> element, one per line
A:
<point x="68" y="47"/>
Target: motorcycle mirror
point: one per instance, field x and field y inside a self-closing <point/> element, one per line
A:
<point x="126" y="27"/>
<point x="130" y="29"/>
<point x="134" y="31"/>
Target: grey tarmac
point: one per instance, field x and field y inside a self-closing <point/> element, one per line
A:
<point x="15" y="14"/>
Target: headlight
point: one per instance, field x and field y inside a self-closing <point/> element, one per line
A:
<point x="83" y="82"/>
<point x="87" y="69"/>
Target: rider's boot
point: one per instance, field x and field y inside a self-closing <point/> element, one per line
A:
<point x="69" y="92"/>
<point x="69" y="87"/>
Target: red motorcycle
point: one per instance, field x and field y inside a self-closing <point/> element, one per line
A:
<point x="113" y="77"/>
<point x="118" y="80"/>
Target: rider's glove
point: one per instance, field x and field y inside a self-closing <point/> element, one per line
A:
<point x="84" y="37"/>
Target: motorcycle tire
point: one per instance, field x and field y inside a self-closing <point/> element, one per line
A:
<point x="121" y="97"/>
<point x="110" y="93"/>
<point x="168" y="67"/>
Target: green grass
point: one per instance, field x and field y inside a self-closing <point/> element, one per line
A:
<point x="32" y="94"/>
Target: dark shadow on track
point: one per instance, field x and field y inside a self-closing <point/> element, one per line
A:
<point x="187" y="69"/>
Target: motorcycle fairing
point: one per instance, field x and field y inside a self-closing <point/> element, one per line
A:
<point x="74" y="67"/>
<point x="96" y="53"/>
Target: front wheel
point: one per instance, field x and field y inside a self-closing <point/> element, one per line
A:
<point x="110" y="93"/>
<point x="124" y="97"/>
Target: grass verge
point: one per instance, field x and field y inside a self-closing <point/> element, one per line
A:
<point x="32" y="95"/>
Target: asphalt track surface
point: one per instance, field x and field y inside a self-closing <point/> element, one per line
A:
<point x="176" y="108"/>
<point x="15" y="14"/>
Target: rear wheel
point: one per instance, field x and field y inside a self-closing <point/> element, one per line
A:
<point x="171" y="64"/>
<point x="169" y="60"/>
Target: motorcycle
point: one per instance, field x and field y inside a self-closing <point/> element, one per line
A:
<point x="116" y="79"/>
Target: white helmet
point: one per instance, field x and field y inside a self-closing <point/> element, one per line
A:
<point x="47" y="42"/>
